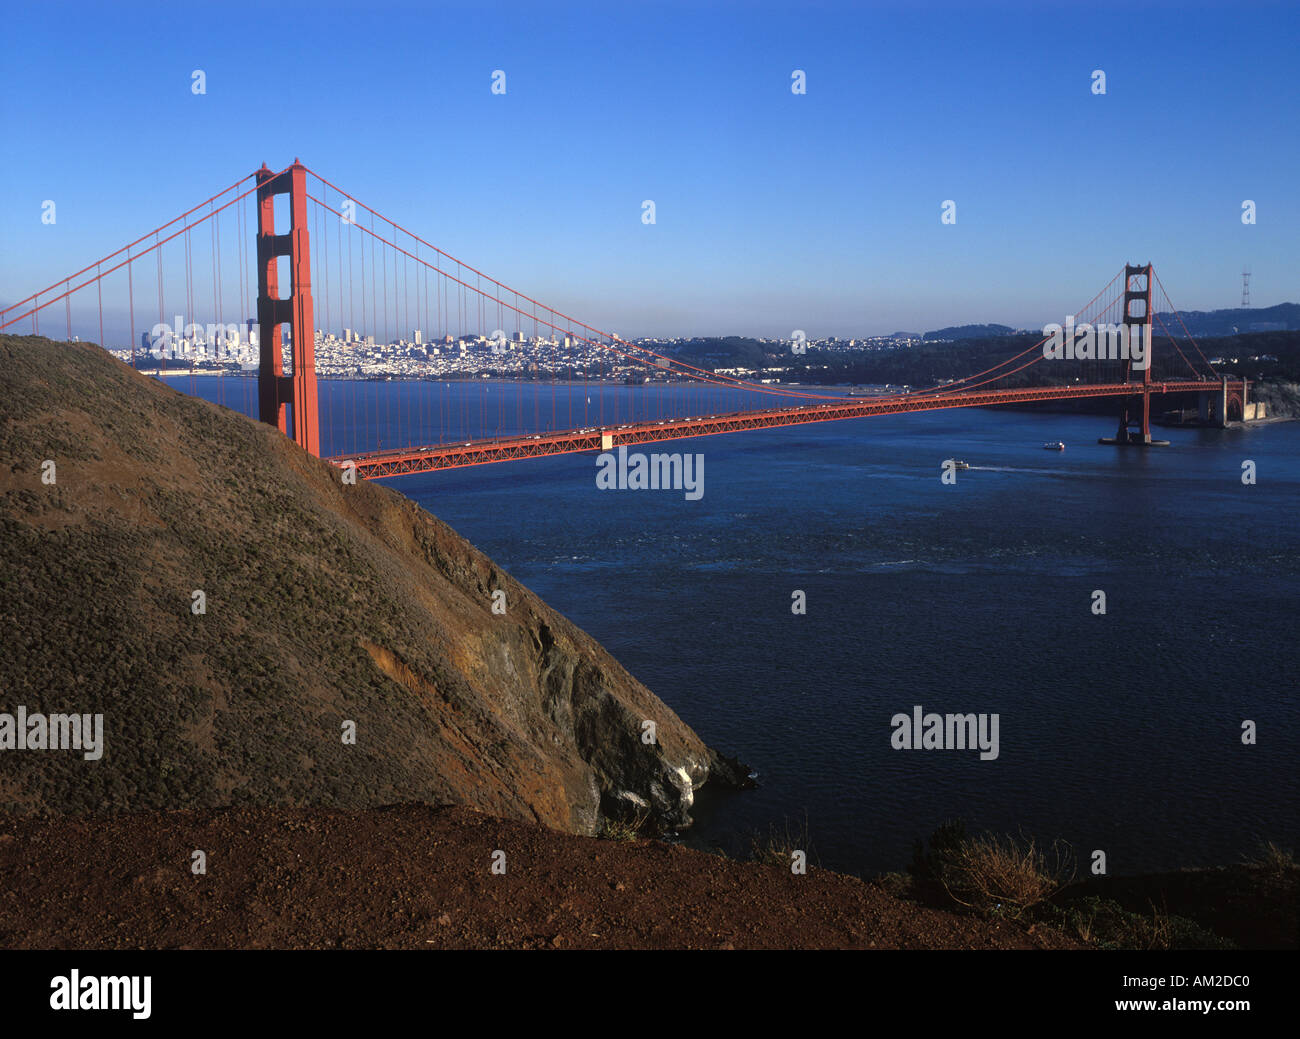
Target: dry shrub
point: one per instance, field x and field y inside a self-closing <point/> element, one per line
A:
<point x="1004" y="876"/>
<point x="1271" y="857"/>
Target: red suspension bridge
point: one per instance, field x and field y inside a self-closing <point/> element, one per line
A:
<point x="346" y="300"/>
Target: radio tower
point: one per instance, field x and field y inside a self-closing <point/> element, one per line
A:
<point x="1245" y="286"/>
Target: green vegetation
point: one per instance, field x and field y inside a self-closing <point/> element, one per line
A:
<point x="724" y="352"/>
<point x="1107" y="924"/>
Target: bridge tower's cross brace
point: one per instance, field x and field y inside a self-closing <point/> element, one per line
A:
<point x="274" y="388"/>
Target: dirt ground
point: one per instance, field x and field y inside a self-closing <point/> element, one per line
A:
<point x="420" y="877"/>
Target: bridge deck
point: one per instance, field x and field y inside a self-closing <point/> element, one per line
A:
<point x="595" y="438"/>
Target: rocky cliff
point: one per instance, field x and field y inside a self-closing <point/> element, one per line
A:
<point x="255" y="631"/>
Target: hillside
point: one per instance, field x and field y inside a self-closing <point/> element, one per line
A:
<point x="1267" y="359"/>
<point x="1239" y="320"/>
<point x="324" y="604"/>
<point x="969" y="332"/>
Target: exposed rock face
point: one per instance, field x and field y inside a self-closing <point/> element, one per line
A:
<point x="324" y="604"/>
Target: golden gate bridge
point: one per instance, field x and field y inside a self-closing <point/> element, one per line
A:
<point x="340" y="266"/>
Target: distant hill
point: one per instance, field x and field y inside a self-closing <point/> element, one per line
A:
<point x="1280" y="318"/>
<point x="970" y="332"/>
<point x="722" y="351"/>
<point x="325" y="603"/>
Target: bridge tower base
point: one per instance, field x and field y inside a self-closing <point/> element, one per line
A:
<point x="274" y="388"/>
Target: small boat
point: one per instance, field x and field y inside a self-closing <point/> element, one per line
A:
<point x="1055" y="445"/>
<point x="957" y="463"/>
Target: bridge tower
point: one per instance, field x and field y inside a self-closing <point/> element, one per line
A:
<point x="1137" y="322"/>
<point x="274" y="388"/>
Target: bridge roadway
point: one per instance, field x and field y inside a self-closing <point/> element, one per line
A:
<point x="403" y="461"/>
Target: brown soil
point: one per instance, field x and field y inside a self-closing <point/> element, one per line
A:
<point x="417" y="877"/>
<point x="328" y="605"/>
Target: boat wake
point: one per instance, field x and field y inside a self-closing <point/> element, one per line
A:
<point x="1017" y="469"/>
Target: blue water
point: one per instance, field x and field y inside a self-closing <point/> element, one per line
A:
<point x="367" y="415"/>
<point x="1119" y="732"/>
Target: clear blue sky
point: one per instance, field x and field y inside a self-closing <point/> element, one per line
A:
<point x="774" y="211"/>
